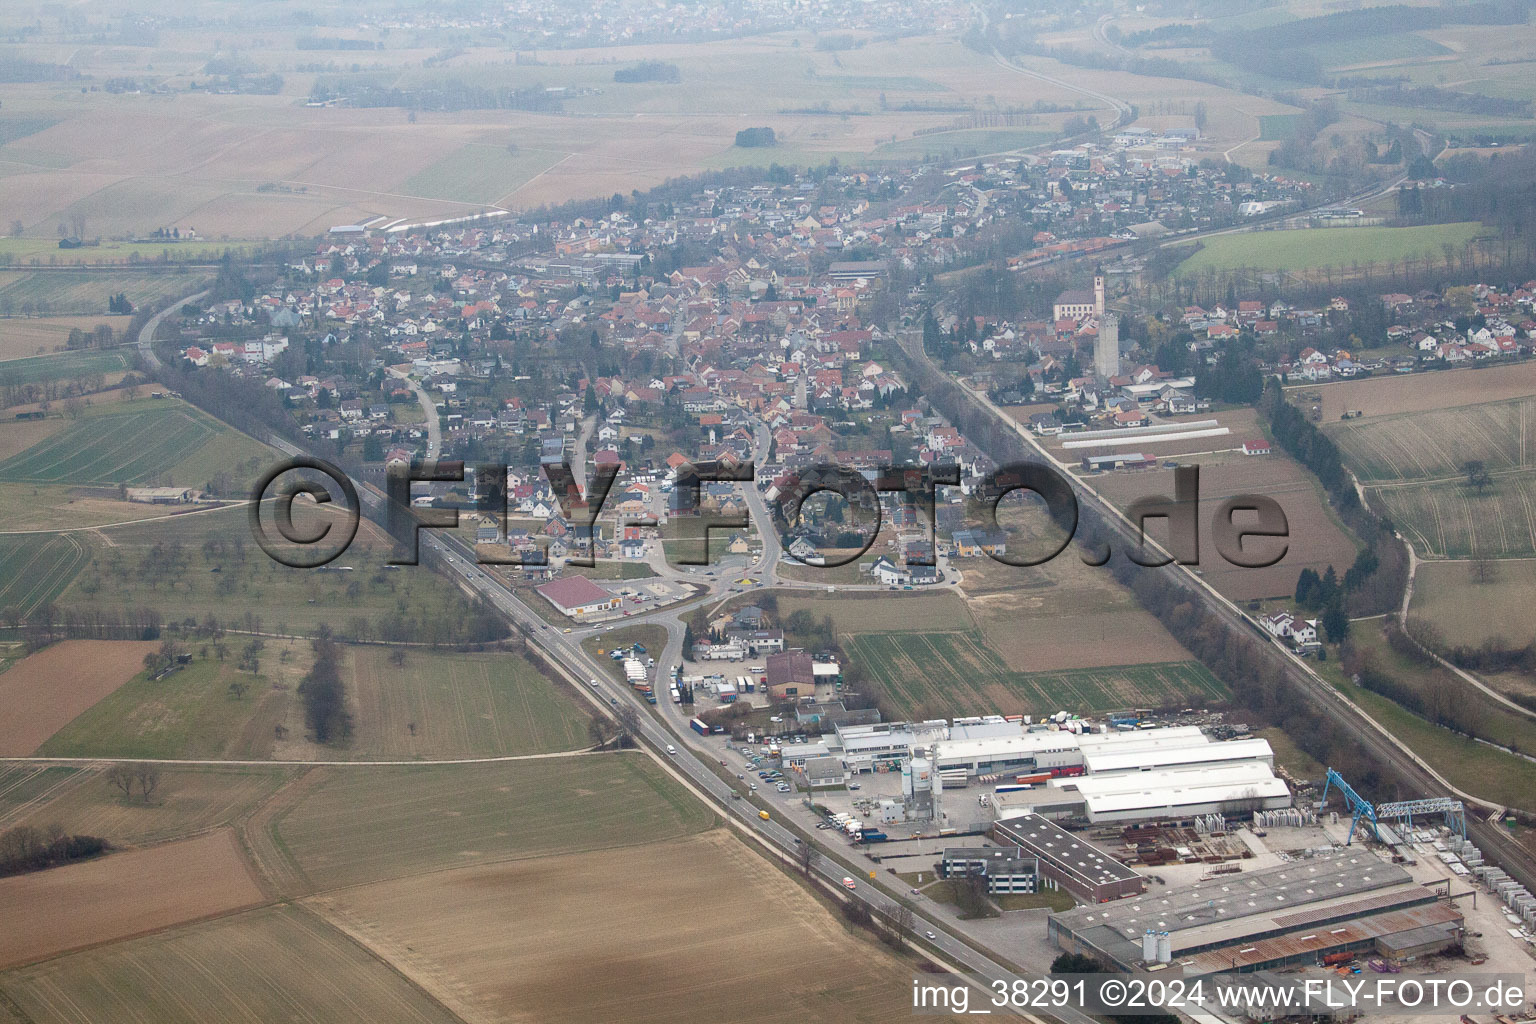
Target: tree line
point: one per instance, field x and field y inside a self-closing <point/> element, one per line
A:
<point x="26" y="848"/>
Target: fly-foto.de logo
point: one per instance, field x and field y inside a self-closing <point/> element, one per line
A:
<point x="1248" y="531"/>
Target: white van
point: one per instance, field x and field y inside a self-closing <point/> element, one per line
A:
<point x="671" y="749"/>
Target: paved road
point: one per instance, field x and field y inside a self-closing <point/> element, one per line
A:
<point x="147" y="332"/>
<point x="428" y="412"/>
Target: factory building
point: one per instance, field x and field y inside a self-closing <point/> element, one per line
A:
<point x="1241" y="787"/>
<point x="1069" y="862"/>
<point x="1292" y="914"/>
<point x="1112" y="760"/>
<point x="1006" y="870"/>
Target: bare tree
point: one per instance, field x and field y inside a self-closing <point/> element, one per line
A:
<point x="148" y="776"/>
<point x="121" y="776"/>
<point x="600" y="729"/>
<point x="902" y="920"/>
<point x="397" y="657"/>
<point x="629" y="724"/>
<point x="1483" y="569"/>
<point x="805" y="856"/>
<point x="1477" y="474"/>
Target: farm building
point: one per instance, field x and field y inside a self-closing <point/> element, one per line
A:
<point x="1255" y="447"/>
<point x="1068" y="861"/>
<point x="1006" y="870"/>
<point x="577" y="596"/>
<point x="1288" y="915"/>
<point x="1119" y="460"/>
<point x="162" y="495"/>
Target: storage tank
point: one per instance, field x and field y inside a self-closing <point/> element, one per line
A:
<point x="922" y="775"/>
<point x="1149" y="945"/>
<point x="1164" y="948"/>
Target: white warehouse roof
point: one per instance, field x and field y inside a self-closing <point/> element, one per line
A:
<point x="1187" y="792"/>
<point x="1145" y="739"/>
<point x="1113" y="760"/>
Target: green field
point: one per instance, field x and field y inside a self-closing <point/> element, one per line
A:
<point x="1411" y="465"/>
<point x="960" y="144"/>
<point x="478" y="173"/>
<point x="77" y="291"/>
<point x="957" y="673"/>
<point x="19" y="126"/>
<point x="365" y="824"/>
<point x="190" y="713"/>
<point x="35" y="569"/>
<point x="1434" y="445"/>
<point x="1469" y="612"/>
<point x="1447" y="519"/>
<point x="167" y="440"/>
<point x="457" y="705"/>
<point x="1275" y="127"/>
<point x="64" y="366"/>
<point x="46" y="252"/>
<point x="1477" y="768"/>
<point x="169" y="566"/>
<point x="271" y="964"/>
<point x="1339" y="53"/>
<point x="1315" y="248"/>
<point x="82" y="801"/>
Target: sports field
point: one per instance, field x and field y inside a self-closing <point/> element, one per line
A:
<point x="926" y="673"/>
<point x="365" y="824"/>
<point x="457" y="705"/>
<point x="34" y="570"/>
<point x="271" y="964"/>
<point x="128" y="443"/>
<point x="1315" y="248"/>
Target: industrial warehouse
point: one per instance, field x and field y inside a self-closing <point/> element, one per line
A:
<point x="1051" y="771"/>
<point x="1296" y="913"/>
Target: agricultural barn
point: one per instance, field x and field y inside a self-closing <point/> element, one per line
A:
<point x="1068" y="861"/>
<point x="1006" y="870"/>
<point x="577" y="596"/>
<point x="161" y="495"/>
<point x="1120" y="460"/>
<point x="1292" y="914"/>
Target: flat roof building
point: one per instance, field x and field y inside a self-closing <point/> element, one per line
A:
<point x="1006" y="869"/>
<point x="1069" y="860"/>
<point x="1290" y="914"/>
<point x="1241" y="787"/>
<point x="1111" y="759"/>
